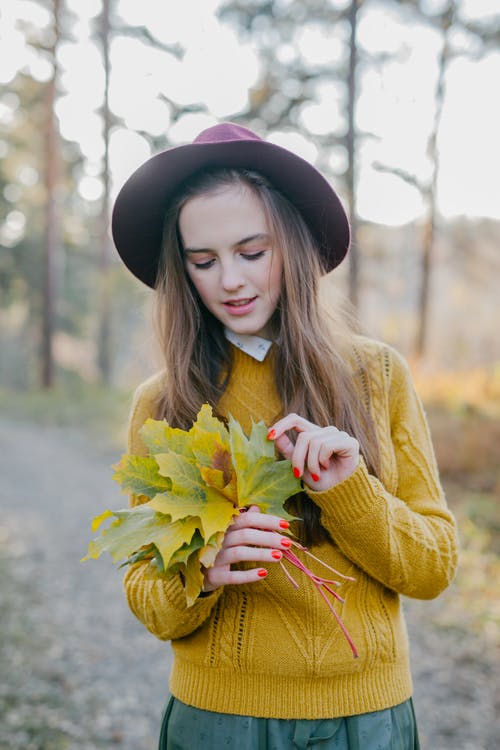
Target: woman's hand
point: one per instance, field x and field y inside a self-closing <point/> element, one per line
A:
<point x="252" y="537"/>
<point x="322" y="456"/>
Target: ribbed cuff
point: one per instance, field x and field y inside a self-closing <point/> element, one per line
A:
<point x="351" y="500"/>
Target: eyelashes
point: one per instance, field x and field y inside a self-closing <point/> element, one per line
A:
<point x="248" y="256"/>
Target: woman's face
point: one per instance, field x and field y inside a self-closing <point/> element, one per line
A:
<point x="230" y="258"/>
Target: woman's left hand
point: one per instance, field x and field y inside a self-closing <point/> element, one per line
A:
<point x="321" y="456"/>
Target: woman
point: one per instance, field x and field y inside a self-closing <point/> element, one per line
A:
<point x="234" y="233"/>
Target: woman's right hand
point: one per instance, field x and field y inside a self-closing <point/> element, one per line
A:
<point x="252" y="537"/>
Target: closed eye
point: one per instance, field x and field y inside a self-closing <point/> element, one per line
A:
<point x="204" y="264"/>
<point x="253" y="256"/>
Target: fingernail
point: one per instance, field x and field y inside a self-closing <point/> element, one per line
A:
<point x="271" y="434"/>
<point x="315" y="477"/>
<point x="284" y="524"/>
<point x="286" y="543"/>
<point x="276" y="554"/>
<point x="262" y="572"/>
<point x="296" y="472"/>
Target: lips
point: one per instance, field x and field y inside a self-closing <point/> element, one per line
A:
<point x="239" y="302"/>
<point x="240" y="306"/>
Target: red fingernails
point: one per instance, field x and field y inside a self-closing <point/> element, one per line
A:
<point x="276" y="554"/>
<point x="271" y="434"/>
<point x="262" y="572"/>
<point x="286" y="543"/>
<point x="315" y="477"/>
<point x="284" y="524"/>
<point x="296" y="472"/>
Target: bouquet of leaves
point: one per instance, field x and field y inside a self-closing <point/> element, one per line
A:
<point x="197" y="481"/>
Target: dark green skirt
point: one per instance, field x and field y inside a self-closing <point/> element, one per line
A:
<point x="188" y="728"/>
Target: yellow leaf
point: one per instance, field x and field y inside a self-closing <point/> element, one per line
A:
<point x="209" y="552"/>
<point x="193" y="579"/>
<point x="96" y="522"/>
<point x="158" y="436"/>
<point x="174" y="536"/>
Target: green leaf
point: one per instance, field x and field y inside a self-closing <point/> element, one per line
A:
<point x="140" y="475"/>
<point x="182" y="555"/>
<point x="142" y="526"/>
<point x="183" y="472"/>
<point x="261" y="480"/>
<point x="130" y="530"/>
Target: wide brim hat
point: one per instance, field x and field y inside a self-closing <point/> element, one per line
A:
<point x="139" y="210"/>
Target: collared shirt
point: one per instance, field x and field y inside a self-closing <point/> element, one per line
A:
<point x="254" y="346"/>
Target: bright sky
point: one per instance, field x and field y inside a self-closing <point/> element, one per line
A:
<point x="395" y="107"/>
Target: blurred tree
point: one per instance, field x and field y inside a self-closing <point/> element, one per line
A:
<point x="52" y="231"/>
<point x="444" y="19"/>
<point x="36" y="185"/>
<point x="104" y="323"/>
<point x="108" y="27"/>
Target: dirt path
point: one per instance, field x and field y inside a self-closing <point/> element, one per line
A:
<point x="83" y="674"/>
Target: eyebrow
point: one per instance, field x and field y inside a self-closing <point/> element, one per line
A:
<point x="244" y="241"/>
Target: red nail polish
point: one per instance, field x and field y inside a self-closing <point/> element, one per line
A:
<point x="284" y="524"/>
<point x="315" y="477"/>
<point x="276" y="554"/>
<point x="271" y="434"/>
<point x="262" y="572"/>
<point x="296" y="472"/>
<point x="286" y="543"/>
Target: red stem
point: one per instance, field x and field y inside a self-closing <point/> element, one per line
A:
<point x="320" y="584"/>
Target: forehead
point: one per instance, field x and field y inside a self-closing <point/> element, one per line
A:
<point x="224" y="215"/>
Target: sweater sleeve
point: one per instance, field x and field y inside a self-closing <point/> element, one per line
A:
<point x="406" y="540"/>
<point x="159" y="603"/>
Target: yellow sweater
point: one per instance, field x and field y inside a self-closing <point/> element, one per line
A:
<point x="268" y="650"/>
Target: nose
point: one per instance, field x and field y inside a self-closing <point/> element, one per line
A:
<point x="231" y="276"/>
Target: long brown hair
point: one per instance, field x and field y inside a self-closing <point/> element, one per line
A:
<point x="313" y="354"/>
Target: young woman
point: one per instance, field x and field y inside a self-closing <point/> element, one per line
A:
<point x="234" y="233"/>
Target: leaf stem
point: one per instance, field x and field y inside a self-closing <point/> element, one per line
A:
<point x="321" y="584"/>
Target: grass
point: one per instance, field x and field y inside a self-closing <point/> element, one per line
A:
<point x="90" y="407"/>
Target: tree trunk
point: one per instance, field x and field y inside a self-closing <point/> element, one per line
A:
<point x="427" y="261"/>
<point x="351" y="154"/>
<point x="51" y="232"/>
<point x="104" y="322"/>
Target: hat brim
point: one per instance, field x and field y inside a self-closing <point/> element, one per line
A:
<point x="139" y="210"/>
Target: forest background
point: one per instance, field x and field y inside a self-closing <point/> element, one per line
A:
<point x="395" y="101"/>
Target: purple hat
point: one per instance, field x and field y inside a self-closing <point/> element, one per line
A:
<point x="140" y="207"/>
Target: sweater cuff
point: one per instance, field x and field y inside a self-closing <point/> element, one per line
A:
<point x="177" y="597"/>
<point x="349" y="501"/>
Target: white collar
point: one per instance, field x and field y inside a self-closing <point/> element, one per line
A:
<point x="254" y="346"/>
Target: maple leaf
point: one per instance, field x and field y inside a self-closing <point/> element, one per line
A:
<point x="142" y="526"/>
<point x="261" y="480"/>
<point x="140" y="475"/>
<point x="190" y="495"/>
<point x="193" y="579"/>
<point x="158" y="436"/>
<point x="196" y="480"/>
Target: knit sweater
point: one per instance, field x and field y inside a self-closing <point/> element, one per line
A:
<point x="265" y="649"/>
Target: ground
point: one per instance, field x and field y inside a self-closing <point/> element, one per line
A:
<point x="81" y="673"/>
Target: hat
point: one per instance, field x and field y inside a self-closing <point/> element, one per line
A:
<point x="139" y="210"/>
